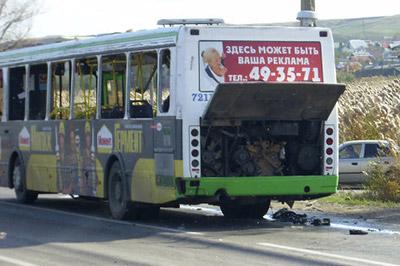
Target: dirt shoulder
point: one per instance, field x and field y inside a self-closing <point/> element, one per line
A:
<point x="380" y="214"/>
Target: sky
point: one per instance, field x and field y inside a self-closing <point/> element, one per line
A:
<point x="88" y="17"/>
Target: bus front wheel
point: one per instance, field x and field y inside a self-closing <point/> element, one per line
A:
<point x="22" y="194"/>
<point x="236" y="209"/>
<point x="118" y="202"/>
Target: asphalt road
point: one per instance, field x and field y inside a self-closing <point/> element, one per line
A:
<point x="62" y="231"/>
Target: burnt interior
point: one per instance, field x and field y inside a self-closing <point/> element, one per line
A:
<point x="262" y="148"/>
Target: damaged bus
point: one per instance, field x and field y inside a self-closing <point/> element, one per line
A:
<point x="193" y="112"/>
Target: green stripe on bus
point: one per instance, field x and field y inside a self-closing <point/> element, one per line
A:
<point x="261" y="186"/>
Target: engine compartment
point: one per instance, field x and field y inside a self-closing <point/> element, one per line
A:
<point x="262" y="148"/>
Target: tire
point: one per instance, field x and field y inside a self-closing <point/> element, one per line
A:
<point x="234" y="209"/>
<point x="22" y="194"/>
<point x="118" y="202"/>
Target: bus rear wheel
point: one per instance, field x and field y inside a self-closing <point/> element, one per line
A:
<point x="236" y="209"/>
<point x="22" y="194"/>
<point x="118" y="202"/>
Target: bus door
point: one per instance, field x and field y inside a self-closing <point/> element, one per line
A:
<point x="5" y="149"/>
<point x="164" y="149"/>
<point x="165" y="125"/>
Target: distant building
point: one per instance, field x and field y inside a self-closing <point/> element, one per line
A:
<point x="395" y="45"/>
<point x="363" y="57"/>
<point x="356" y="45"/>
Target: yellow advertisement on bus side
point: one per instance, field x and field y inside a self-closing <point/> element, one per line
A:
<point x="144" y="185"/>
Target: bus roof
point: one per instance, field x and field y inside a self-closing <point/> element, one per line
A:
<point x="143" y="39"/>
<point x="114" y="43"/>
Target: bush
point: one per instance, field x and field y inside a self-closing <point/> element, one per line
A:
<point x="384" y="185"/>
<point x="344" y="77"/>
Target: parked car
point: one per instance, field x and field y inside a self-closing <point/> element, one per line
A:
<point x="355" y="156"/>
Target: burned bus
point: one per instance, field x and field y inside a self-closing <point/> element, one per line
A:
<point x="196" y="111"/>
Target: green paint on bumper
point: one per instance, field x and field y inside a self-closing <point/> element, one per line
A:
<point x="275" y="186"/>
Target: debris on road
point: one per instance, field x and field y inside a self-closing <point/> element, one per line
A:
<point x="318" y="222"/>
<point x="357" y="232"/>
<point x="326" y="221"/>
<point x="3" y="235"/>
<point x="284" y="215"/>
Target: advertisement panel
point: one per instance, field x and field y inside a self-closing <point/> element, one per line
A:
<point x="250" y="61"/>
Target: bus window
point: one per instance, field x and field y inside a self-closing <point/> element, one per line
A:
<point x="17" y="93"/>
<point x="144" y="82"/>
<point x="60" y="89"/>
<point x="85" y="88"/>
<point x="1" y="93"/>
<point x="113" y="86"/>
<point x="165" y="85"/>
<point x="37" y="91"/>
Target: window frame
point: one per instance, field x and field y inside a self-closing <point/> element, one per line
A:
<point x="7" y="95"/>
<point x="382" y="150"/>
<point x="50" y="81"/>
<point x="159" y="81"/>
<point x="27" y="89"/>
<point x="126" y="84"/>
<point x="73" y="86"/>
<point x="2" y="94"/>
<point x="375" y="145"/>
<point x="28" y="71"/>
<point x="132" y="82"/>
<point x="360" y="156"/>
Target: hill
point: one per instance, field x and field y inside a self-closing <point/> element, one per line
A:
<point x="372" y="28"/>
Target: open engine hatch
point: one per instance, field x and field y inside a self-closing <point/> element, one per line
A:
<point x="273" y="101"/>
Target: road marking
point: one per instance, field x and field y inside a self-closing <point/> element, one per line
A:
<point x="102" y="219"/>
<point x="328" y="255"/>
<point x="15" y="261"/>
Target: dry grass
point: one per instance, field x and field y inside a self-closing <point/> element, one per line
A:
<point x="370" y="109"/>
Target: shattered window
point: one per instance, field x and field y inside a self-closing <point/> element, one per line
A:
<point x="85" y="88"/>
<point x="60" y="89"/>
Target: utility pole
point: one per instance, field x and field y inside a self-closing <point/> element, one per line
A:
<point x="308" y="5"/>
<point x="307" y="15"/>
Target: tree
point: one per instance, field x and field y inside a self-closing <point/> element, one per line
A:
<point x="15" y="21"/>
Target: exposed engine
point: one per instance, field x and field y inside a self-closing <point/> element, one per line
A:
<point x="262" y="149"/>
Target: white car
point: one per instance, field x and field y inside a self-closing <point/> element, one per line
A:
<point x="355" y="156"/>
